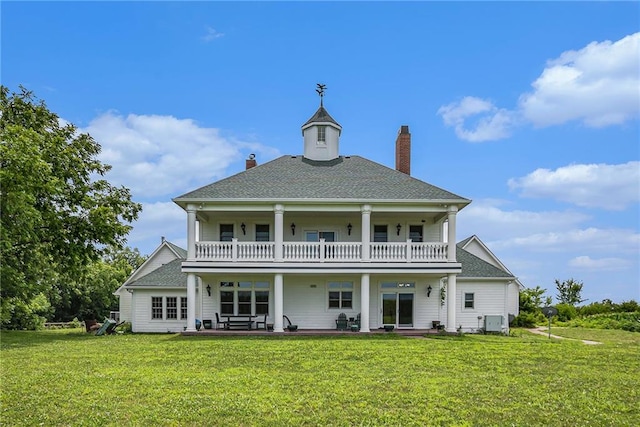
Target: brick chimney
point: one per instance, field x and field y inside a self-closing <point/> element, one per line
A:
<point x="403" y="150"/>
<point x="251" y="162"/>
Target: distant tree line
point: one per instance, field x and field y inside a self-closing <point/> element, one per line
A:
<point x="569" y="292"/>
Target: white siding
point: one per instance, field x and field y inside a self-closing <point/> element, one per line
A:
<point x="513" y="299"/>
<point x="163" y="256"/>
<point x="489" y="299"/>
<point x="141" y="320"/>
<point x="124" y="297"/>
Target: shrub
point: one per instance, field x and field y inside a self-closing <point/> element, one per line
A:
<point x="528" y="320"/>
<point x="566" y="312"/>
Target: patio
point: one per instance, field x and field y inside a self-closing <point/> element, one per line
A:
<point x="307" y="332"/>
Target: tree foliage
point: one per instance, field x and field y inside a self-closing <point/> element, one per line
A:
<point x="91" y="296"/>
<point x="569" y="292"/>
<point x="58" y="212"/>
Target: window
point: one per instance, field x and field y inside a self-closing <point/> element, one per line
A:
<point x="468" y="300"/>
<point x="156" y="307"/>
<point x="415" y="233"/>
<point x="244" y="298"/>
<point x="379" y="233"/>
<point x="226" y="232"/>
<point x="315" y="236"/>
<point x="340" y="295"/>
<point x="183" y="308"/>
<point x="262" y="297"/>
<point x="322" y="132"/>
<point x="262" y="232"/>
<point x="172" y="307"/>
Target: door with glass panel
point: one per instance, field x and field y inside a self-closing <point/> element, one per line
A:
<point x="397" y="305"/>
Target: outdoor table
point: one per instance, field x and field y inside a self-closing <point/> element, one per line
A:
<point x="243" y="321"/>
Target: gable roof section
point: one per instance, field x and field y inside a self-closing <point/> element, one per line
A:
<point x="167" y="276"/>
<point x="180" y="253"/>
<point x="486" y="253"/>
<point x="344" y="178"/>
<point x="472" y="266"/>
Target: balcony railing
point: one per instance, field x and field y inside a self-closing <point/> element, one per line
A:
<point x="321" y="251"/>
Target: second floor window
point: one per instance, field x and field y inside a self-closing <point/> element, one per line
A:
<point x="262" y="232"/>
<point x="415" y="233"/>
<point x="379" y="233"/>
<point x="226" y="232"/>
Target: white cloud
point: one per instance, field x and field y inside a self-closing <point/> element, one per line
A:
<point x="491" y="222"/>
<point x="608" y="241"/>
<point x="611" y="187"/>
<point x="598" y="84"/>
<point x="162" y="155"/>
<point x="156" y="220"/>
<point x="607" y="264"/>
<point x="211" y="34"/>
<point x="491" y="123"/>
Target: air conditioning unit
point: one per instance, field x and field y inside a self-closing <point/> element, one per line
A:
<point x="493" y="323"/>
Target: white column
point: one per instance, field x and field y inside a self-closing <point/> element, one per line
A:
<point x="451" y="234"/>
<point x="364" y="303"/>
<point x="278" y="233"/>
<point x="451" y="303"/>
<point x="191" y="302"/>
<point x="366" y="232"/>
<point x="191" y="232"/>
<point x="278" y="304"/>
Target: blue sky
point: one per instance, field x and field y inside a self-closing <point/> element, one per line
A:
<point x="529" y="109"/>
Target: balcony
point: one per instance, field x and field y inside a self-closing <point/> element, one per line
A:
<point x="348" y="252"/>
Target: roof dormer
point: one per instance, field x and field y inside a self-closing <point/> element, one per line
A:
<point x="321" y="133"/>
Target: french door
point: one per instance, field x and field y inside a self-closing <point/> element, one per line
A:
<point x="397" y="309"/>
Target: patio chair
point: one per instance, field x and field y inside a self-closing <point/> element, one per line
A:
<point x="290" y="327"/>
<point x="341" y="322"/>
<point x="219" y="323"/>
<point x="263" y="323"/>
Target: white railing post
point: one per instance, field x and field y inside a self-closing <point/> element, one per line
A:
<point x="408" y="254"/>
<point x="322" y="250"/>
<point x="234" y="249"/>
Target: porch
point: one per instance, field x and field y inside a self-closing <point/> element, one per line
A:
<point x="322" y="251"/>
<point x="309" y="332"/>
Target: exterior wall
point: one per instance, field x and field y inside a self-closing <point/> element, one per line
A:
<point x="124" y="302"/>
<point x="327" y="151"/>
<point x="163" y="256"/>
<point x="141" y="314"/>
<point x="513" y="299"/>
<point x="490" y="298"/>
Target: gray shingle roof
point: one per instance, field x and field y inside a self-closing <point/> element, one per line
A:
<point x="168" y="275"/>
<point x="472" y="266"/>
<point x="182" y="253"/>
<point x="321" y="116"/>
<point x="295" y="177"/>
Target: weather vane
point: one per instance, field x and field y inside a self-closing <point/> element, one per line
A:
<point x="320" y="91"/>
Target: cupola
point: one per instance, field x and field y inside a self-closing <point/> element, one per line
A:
<point x="321" y="133"/>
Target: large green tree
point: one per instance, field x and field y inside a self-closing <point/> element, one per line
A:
<point x="58" y="212"/>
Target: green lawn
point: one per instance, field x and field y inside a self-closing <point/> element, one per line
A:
<point x="70" y="378"/>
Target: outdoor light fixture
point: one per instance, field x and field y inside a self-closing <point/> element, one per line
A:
<point x="293" y="228"/>
<point x="244" y="228"/>
<point x="398" y="227"/>
<point x="429" y="289"/>
<point x="349" y="227"/>
<point x="209" y="290"/>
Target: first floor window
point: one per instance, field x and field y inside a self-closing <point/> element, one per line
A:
<point x="183" y="308"/>
<point x="468" y="300"/>
<point x="238" y="298"/>
<point x="156" y="307"/>
<point x="340" y="295"/>
<point x="172" y="307"/>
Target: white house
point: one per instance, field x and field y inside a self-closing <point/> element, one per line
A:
<point x="314" y="235"/>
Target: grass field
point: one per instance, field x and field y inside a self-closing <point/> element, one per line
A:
<point x="67" y="377"/>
